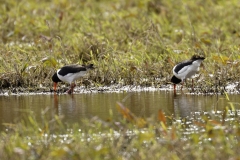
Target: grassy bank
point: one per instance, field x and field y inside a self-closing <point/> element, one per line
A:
<point x="130" y="42"/>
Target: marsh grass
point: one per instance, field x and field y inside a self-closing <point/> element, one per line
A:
<point x="130" y="42"/>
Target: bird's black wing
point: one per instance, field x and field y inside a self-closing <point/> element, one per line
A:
<point x="71" y="69"/>
<point x="181" y="65"/>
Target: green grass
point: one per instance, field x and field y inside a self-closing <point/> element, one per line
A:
<point x="128" y="41"/>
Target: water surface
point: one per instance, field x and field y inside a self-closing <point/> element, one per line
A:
<point x="103" y="105"/>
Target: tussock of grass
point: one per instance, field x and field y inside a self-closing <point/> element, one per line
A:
<point x="128" y="41"/>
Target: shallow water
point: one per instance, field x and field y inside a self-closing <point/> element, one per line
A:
<point x="75" y="107"/>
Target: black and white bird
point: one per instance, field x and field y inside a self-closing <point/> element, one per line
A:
<point x="186" y="69"/>
<point x="69" y="74"/>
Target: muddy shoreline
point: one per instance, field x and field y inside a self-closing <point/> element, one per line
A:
<point x="231" y="89"/>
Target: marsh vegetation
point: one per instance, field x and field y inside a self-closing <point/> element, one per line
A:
<point x="131" y="42"/>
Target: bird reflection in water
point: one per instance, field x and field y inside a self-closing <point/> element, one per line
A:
<point x="67" y="102"/>
<point x="185" y="105"/>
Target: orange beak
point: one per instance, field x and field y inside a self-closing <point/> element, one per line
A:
<point x="55" y="86"/>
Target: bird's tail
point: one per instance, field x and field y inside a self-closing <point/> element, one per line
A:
<point x="89" y="66"/>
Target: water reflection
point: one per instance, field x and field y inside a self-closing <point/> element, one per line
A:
<point x="184" y="105"/>
<point x="78" y="106"/>
<point x="69" y="101"/>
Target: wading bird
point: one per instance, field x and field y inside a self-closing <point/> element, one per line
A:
<point x="69" y="74"/>
<point x="186" y="69"/>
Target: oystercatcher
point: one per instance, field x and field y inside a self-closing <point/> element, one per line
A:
<point x="186" y="69"/>
<point x="69" y="74"/>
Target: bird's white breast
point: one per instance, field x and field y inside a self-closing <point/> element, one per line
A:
<point x="71" y="77"/>
<point x="188" y="71"/>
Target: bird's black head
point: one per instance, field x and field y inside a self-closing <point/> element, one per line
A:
<point x="55" y="78"/>
<point x="175" y="80"/>
<point x="197" y="57"/>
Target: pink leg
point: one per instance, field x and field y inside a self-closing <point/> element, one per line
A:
<point x="182" y="85"/>
<point x="174" y="87"/>
<point x="70" y="91"/>
<point x="74" y="85"/>
<point x="192" y="85"/>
